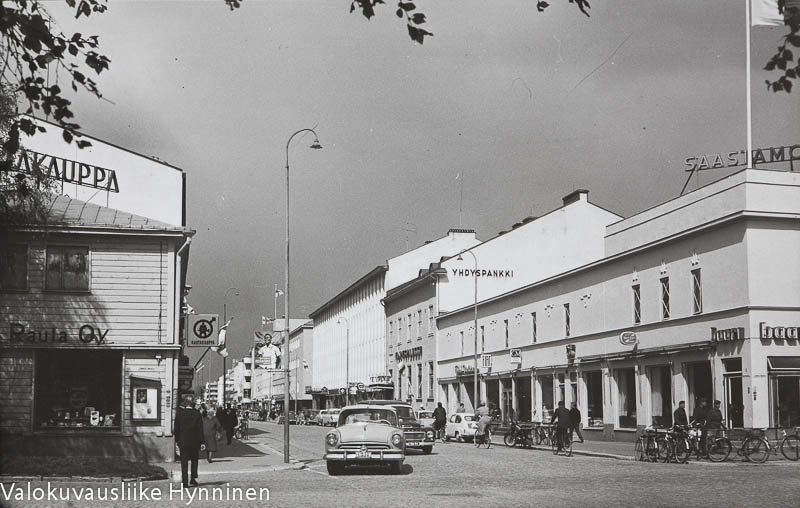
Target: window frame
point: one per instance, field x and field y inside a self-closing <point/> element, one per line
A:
<point x="567" y="321"/>
<point x="534" y="329"/>
<point x="697" y="291"/>
<point x="505" y="324"/>
<point x="637" y="304"/>
<point x="27" y="249"/>
<point x="665" y="309"/>
<point x="63" y="248"/>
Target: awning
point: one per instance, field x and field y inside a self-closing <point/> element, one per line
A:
<point x="783" y="363"/>
<point x="621" y="355"/>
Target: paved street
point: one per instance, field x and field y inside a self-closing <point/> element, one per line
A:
<point x="459" y="475"/>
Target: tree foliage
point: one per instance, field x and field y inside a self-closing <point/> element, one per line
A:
<point x="31" y="50"/>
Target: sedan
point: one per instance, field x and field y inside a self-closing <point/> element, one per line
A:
<point x="366" y="435"/>
<point x="461" y="427"/>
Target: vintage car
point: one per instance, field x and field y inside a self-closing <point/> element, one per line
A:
<point x="292" y="418"/>
<point x="366" y="435"/>
<point x="329" y="417"/>
<point x="461" y="427"/>
<point x="310" y="417"/>
<point x="417" y="435"/>
<point x="425" y="418"/>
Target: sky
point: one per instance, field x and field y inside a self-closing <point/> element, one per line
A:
<point x="499" y="115"/>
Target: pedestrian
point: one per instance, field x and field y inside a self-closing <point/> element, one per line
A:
<point x="230" y="422"/>
<point x="561" y="419"/>
<point x="699" y="420"/>
<point x="190" y="439"/>
<point x="575" y="421"/>
<point x="439" y="420"/>
<point x="714" y="417"/>
<point x="679" y="415"/>
<point x="461" y="408"/>
<point x="212" y="431"/>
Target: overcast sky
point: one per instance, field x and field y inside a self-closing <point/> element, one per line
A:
<point x="525" y="106"/>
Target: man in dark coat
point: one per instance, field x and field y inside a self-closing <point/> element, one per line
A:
<point x="561" y="420"/>
<point x="230" y="421"/>
<point x="575" y="420"/>
<point x="679" y="415"/>
<point x="188" y="431"/>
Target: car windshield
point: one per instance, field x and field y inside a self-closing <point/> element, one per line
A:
<point x="425" y="414"/>
<point x="404" y="412"/>
<point x="383" y="416"/>
<point x="469" y="418"/>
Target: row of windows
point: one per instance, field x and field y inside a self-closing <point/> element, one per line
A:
<point x="697" y="308"/>
<point x="419" y="388"/>
<point x="404" y="326"/>
<point x="66" y="268"/>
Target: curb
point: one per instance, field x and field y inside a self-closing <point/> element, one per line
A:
<point x="94" y="479"/>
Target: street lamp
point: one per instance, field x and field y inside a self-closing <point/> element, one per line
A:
<point x="475" y="372"/>
<point x="347" y="357"/>
<point x="225" y="320"/>
<point x="316" y="146"/>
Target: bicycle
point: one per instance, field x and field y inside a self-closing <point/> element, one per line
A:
<point x="542" y="434"/>
<point x="485" y="439"/>
<point x="755" y="448"/>
<point x="790" y="445"/>
<point x="242" y="431"/>
<point x="441" y="433"/>
<point x="562" y="440"/>
<point x="646" y="447"/>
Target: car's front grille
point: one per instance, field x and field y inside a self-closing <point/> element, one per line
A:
<point x="414" y="435"/>
<point x="370" y="446"/>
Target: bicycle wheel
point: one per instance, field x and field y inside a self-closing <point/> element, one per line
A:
<point x="682" y="450"/>
<point x="756" y="449"/>
<point x="568" y="444"/>
<point x="664" y="449"/>
<point x="651" y="449"/>
<point x="719" y="449"/>
<point x="554" y="443"/>
<point x="790" y="447"/>
<point x="510" y="439"/>
<point x="488" y="439"/>
<point x="638" y="450"/>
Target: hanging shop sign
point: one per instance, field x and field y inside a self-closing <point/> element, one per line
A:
<point x="570" y="354"/>
<point x="87" y="335"/>
<point x="380" y="379"/>
<point x="733" y="159"/>
<point x="728" y="334"/>
<point x="67" y="171"/>
<point x="482" y="272"/>
<point x="202" y="330"/>
<point x="516" y="356"/>
<point x="628" y="338"/>
<point x="778" y="332"/>
<point x="408" y="354"/>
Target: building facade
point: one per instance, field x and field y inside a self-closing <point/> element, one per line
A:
<point x="697" y="298"/>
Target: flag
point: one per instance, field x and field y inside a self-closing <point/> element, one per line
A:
<point x="223" y="331"/>
<point x="767" y="12"/>
<point x="278" y="293"/>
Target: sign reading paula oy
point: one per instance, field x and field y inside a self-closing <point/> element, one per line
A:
<point x="19" y="333"/>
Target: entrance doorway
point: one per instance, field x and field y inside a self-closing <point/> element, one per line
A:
<point x="523" y="388"/>
<point x="507" y="400"/>
<point x="734" y="396"/>
<point x="546" y="383"/>
<point x="493" y="395"/>
<point x="698" y="378"/>
<point x="661" y="395"/>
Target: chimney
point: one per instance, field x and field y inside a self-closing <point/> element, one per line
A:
<point x="578" y="195"/>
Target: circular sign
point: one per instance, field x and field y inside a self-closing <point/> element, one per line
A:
<point x="628" y="338"/>
<point x="342" y="391"/>
<point x="360" y="386"/>
<point x="203" y="328"/>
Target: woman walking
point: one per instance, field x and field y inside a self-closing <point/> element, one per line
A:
<point x="211" y="429"/>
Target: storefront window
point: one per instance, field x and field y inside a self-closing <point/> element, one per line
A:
<point x="68" y="268"/>
<point x="698" y="377"/>
<point x="14" y="267"/>
<point x="546" y="382"/>
<point x="561" y="389"/>
<point x="626" y="410"/>
<point x="594" y="398"/>
<point x="661" y="396"/>
<point x="78" y="389"/>
<point x="734" y="394"/>
<point x="785" y="382"/>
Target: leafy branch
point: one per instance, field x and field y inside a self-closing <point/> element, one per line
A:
<point x="784" y="58"/>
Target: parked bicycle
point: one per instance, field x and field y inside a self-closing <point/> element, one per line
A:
<point x="755" y="447"/>
<point x="542" y="434"/>
<point x="790" y="445"/>
<point x="646" y="447"/>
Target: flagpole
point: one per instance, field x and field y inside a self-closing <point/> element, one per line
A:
<point x="749" y="101"/>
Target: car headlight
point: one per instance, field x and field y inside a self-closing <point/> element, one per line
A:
<point x="332" y="439"/>
<point x="429" y="434"/>
<point x="397" y="439"/>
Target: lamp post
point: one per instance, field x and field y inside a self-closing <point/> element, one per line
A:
<point x="225" y="320"/>
<point x="316" y="146"/>
<point x="475" y="325"/>
<point x="347" y="358"/>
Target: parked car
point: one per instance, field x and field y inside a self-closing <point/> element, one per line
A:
<point x="331" y="417"/>
<point x="425" y="418"/>
<point x="365" y="435"/>
<point x="322" y="416"/>
<point x="311" y="417"/>
<point x="461" y="427"/>
<point x="292" y="418"/>
<point x="416" y="435"/>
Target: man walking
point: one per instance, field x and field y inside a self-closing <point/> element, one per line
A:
<point x="189" y="438"/>
<point x="230" y="422"/>
<point x="561" y="421"/>
<point x="439" y="421"/>
<point x="575" y="421"/>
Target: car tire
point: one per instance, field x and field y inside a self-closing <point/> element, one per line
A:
<point x="427" y="450"/>
<point x="459" y="438"/>
<point x="334" y="468"/>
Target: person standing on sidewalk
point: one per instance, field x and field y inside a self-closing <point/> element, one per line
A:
<point x="575" y="421"/>
<point x="230" y="422"/>
<point x="189" y="437"/>
<point x="211" y="429"/>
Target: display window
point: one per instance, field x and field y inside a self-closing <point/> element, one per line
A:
<point x="67" y="268"/>
<point x="14" y="267"/>
<point x="626" y="409"/>
<point x="785" y="384"/>
<point x="594" y="398"/>
<point x="78" y="389"/>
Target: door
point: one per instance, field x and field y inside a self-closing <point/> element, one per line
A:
<point x="734" y="402"/>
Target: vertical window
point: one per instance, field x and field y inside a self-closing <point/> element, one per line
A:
<point x="419" y="380"/>
<point x="399" y="330"/>
<point x="665" y="298"/>
<point x="626" y="408"/>
<point x="483" y="339"/>
<point x="68" y="268"/>
<point x="567" y="322"/>
<point x="391" y="333"/>
<point x="419" y="324"/>
<point x="637" y="304"/>
<point x="533" y="328"/>
<point x="505" y="324"/>
<point x="594" y="398"/>
<point x="14" y="267"/>
<point x="462" y="343"/>
<point x="697" y="292"/>
<point x="431" y="382"/>
<point x="409" y="323"/>
<point x="431" y="323"/>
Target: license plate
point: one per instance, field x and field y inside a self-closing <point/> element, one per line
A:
<point x="413" y="443"/>
<point x="362" y="454"/>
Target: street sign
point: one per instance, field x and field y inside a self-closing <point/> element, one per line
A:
<point x="360" y="386"/>
<point x="486" y="361"/>
<point x="516" y="356"/>
<point x="202" y="330"/>
<point x="628" y="338"/>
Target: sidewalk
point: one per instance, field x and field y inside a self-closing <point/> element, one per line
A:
<point x="240" y="457"/>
